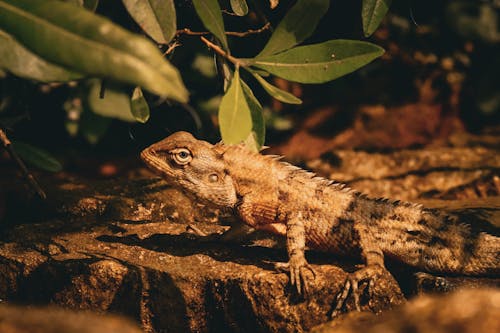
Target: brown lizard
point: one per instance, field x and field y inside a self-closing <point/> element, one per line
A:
<point x="321" y="214"/>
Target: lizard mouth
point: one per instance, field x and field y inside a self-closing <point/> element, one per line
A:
<point x="153" y="162"/>
<point x="159" y="167"/>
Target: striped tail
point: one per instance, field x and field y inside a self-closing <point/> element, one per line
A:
<point x="485" y="256"/>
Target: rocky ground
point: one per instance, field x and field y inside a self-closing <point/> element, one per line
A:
<point x="123" y="247"/>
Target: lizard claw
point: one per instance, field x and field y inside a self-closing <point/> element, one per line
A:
<point x="351" y="286"/>
<point x="297" y="268"/>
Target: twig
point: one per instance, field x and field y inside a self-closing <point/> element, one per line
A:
<point x="250" y="31"/>
<point x="27" y="175"/>
<point x="227" y="12"/>
<point x="217" y="49"/>
<point x="189" y="32"/>
<point x="102" y="90"/>
<point x="171" y="48"/>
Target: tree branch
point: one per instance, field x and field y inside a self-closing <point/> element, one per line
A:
<point x="189" y="32"/>
<point x="217" y="49"/>
<point x="27" y="175"/>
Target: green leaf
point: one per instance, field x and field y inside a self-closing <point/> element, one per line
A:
<point x="239" y="7"/>
<point x="139" y="106"/>
<point x="19" y="61"/>
<point x="319" y="63"/>
<point x="298" y="24"/>
<point x="372" y="13"/>
<point x="235" y="118"/>
<point x="155" y="17"/>
<point x="210" y="14"/>
<point x="115" y="104"/>
<point x="36" y="157"/>
<point x="90" y="44"/>
<point x="258" y="133"/>
<point x="280" y="95"/>
<point x="89" y="4"/>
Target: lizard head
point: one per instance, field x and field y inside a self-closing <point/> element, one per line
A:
<point x="194" y="166"/>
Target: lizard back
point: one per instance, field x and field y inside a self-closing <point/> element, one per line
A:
<point x="424" y="238"/>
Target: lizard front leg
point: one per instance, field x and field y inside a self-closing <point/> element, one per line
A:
<point x="263" y="216"/>
<point x="374" y="260"/>
<point x="297" y="264"/>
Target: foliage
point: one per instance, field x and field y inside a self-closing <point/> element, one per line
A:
<point x="37" y="156"/>
<point x="372" y="13"/>
<point x="61" y="41"/>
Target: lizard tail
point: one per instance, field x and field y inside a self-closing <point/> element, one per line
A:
<point x="484" y="256"/>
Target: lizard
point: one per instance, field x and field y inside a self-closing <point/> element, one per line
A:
<point x="314" y="212"/>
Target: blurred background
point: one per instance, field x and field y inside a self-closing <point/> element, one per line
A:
<point x="436" y="85"/>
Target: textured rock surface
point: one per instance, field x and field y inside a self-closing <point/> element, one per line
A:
<point x="16" y="319"/>
<point x="122" y="247"/>
<point x="164" y="278"/>
<point x="466" y="311"/>
<point x="442" y="173"/>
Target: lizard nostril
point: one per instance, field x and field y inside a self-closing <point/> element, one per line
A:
<point x="213" y="178"/>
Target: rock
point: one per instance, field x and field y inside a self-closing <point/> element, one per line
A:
<point x="121" y="246"/>
<point x="156" y="273"/>
<point x="137" y="200"/>
<point x="441" y="173"/>
<point x="465" y="311"/>
<point x="16" y="319"/>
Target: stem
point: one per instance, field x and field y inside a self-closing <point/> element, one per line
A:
<point x="189" y="32"/>
<point x="217" y="49"/>
<point x="27" y="175"/>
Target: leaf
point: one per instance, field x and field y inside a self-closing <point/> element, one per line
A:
<point x="258" y="133"/>
<point x="210" y="14"/>
<point x="298" y="24"/>
<point x="115" y="104"/>
<point x="235" y="117"/>
<point x="279" y="94"/>
<point x="90" y="44"/>
<point x="139" y="106"/>
<point x="155" y="17"/>
<point x="372" y="13"/>
<point x="89" y="4"/>
<point x="239" y="7"/>
<point x="36" y="157"/>
<point x="240" y="114"/>
<point x="319" y="63"/>
<point x="19" y="61"/>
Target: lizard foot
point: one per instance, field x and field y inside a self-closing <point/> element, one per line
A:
<point x="297" y="268"/>
<point x="351" y="285"/>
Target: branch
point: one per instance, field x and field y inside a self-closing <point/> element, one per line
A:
<point x="27" y="175"/>
<point x="217" y="49"/>
<point x="171" y="48"/>
<point x="249" y="32"/>
<point x="189" y="32"/>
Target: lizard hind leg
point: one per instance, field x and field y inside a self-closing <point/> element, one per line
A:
<point x="368" y="274"/>
<point x="374" y="259"/>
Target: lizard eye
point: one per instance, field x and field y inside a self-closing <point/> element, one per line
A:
<point x="181" y="156"/>
<point x="213" y="178"/>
